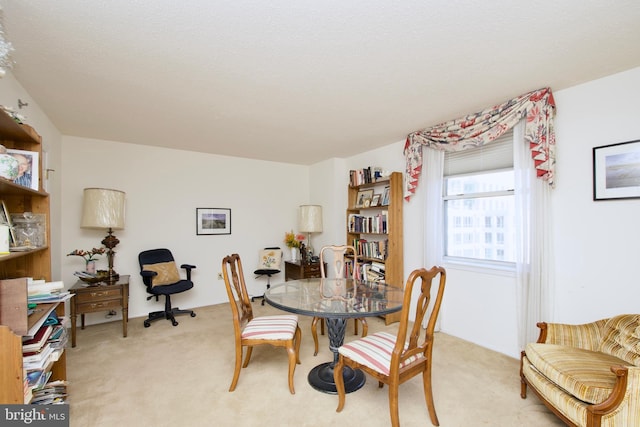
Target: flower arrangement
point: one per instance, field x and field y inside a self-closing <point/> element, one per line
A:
<point x="293" y="240"/>
<point x="87" y="255"/>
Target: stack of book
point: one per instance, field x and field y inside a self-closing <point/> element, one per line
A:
<point x="371" y="249"/>
<point x="375" y="224"/>
<point x="364" y="176"/>
<point x="43" y="345"/>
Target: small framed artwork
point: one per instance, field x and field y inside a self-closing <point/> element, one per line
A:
<point x="385" y="197"/>
<point x="28" y="168"/>
<point x="616" y="171"/>
<point x="362" y="196"/>
<point x="5" y="218"/>
<point x="375" y="200"/>
<point x="213" y="221"/>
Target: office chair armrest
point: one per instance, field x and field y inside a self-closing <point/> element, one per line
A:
<point x="147" y="277"/>
<point x="188" y="268"/>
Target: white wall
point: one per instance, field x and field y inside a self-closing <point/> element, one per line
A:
<point x="164" y="187"/>
<point x="596" y="245"/>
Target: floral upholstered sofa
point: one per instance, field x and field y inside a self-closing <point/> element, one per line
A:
<point x="588" y="375"/>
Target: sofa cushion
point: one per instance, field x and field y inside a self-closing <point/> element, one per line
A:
<point x="622" y="338"/>
<point x="582" y="373"/>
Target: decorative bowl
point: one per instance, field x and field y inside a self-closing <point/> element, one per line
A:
<point x="100" y="277"/>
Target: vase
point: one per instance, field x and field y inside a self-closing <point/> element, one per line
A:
<point x="91" y="267"/>
<point x="294" y="254"/>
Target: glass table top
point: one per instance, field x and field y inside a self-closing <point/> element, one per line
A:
<point x="335" y="298"/>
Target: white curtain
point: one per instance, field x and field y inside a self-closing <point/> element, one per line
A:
<point x="534" y="282"/>
<point x="534" y="259"/>
<point x="434" y="225"/>
<point x="434" y="163"/>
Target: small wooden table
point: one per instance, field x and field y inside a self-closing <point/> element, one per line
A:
<point x="296" y="270"/>
<point x="99" y="297"/>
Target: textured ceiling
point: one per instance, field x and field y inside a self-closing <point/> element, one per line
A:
<point x="301" y="81"/>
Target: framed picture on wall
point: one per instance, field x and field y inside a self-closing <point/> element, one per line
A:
<point x="213" y="221"/>
<point x="616" y="171"/>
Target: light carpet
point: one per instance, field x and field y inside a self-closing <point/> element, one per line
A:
<point x="180" y="376"/>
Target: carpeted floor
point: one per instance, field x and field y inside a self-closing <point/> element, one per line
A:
<point x="180" y="376"/>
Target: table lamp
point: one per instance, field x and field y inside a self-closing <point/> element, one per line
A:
<point x="104" y="208"/>
<point x="310" y="221"/>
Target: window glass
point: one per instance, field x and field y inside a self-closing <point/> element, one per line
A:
<point x="484" y="204"/>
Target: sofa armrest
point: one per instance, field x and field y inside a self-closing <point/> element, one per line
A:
<point x="587" y="336"/>
<point x="623" y="406"/>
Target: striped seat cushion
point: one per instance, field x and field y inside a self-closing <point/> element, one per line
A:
<point x="374" y="351"/>
<point x="271" y="328"/>
<point x="582" y="373"/>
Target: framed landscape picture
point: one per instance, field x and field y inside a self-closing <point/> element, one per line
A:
<point x="616" y="171"/>
<point x="213" y="221"/>
<point x="28" y="168"/>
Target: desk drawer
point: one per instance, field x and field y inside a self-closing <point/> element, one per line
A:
<point x="89" y="307"/>
<point x="312" y="270"/>
<point x="97" y="295"/>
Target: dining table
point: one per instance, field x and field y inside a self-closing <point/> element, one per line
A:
<point x="336" y="301"/>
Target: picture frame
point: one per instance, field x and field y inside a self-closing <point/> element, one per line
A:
<point x="375" y="200"/>
<point x="30" y="177"/>
<point x="616" y="171"/>
<point x="213" y="221"/>
<point x="385" y="197"/>
<point x="362" y="196"/>
<point x="5" y="218"/>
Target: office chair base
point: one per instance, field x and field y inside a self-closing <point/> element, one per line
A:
<point x="258" y="297"/>
<point x="262" y="296"/>
<point x="169" y="315"/>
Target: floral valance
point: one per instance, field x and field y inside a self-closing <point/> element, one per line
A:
<point x="486" y="126"/>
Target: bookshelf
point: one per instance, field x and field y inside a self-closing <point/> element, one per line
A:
<point x="376" y="231"/>
<point x="15" y="267"/>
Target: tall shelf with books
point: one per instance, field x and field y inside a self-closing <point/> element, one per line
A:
<point x="20" y="322"/>
<point x="374" y="226"/>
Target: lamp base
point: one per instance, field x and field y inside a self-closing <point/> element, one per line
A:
<point x="113" y="277"/>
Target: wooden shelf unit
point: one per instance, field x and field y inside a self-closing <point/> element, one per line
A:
<point x="17" y="266"/>
<point x="394" y="261"/>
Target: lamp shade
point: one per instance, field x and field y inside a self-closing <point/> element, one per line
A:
<point x="310" y="218"/>
<point x="103" y="208"/>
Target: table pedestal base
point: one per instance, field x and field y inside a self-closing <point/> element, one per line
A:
<point x="321" y="378"/>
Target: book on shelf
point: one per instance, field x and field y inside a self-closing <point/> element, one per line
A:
<point x="39" y="339"/>
<point x="39" y="288"/>
<point x="37" y="356"/>
<point x="366" y="175"/>
<point x="53" y="392"/>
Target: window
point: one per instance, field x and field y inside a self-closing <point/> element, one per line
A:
<point x="479" y="194"/>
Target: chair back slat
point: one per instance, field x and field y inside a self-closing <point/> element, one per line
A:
<point x="237" y="291"/>
<point x="339" y="265"/>
<point x="428" y="305"/>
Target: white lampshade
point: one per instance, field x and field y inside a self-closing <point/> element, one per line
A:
<point x="310" y="218"/>
<point x="103" y="208"/>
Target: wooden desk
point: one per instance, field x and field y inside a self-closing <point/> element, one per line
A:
<point x="298" y="270"/>
<point x="100" y="297"/>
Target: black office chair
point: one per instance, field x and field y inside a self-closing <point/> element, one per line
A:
<point x="161" y="277"/>
<point x="268" y="264"/>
